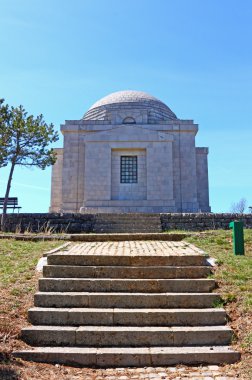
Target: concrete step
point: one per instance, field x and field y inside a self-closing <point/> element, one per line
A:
<point x="126" y="285"/>
<point x="127" y="228"/>
<point x="112" y="218"/>
<point x="152" y="227"/>
<point x="121" y="221"/>
<point x="67" y="271"/>
<point x="136" y="223"/>
<point x="128" y="223"/>
<point x="126" y="216"/>
<point x="132" y="216"/>
<point x="127" y="336"/>
<point x="125" y="300"/>
<point x="127" y="260"/>
<point x="128" y="317"/>
<point x="127" y="236"/>
<point x="130" y="357"/>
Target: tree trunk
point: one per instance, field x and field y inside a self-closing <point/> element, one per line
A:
<point x="3" y="219"/>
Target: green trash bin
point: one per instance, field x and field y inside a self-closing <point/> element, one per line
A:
<point x="238" y="237"/>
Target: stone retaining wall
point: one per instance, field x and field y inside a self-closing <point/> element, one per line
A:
<point x="201" y="222"/>
<point x="50" y="223"/>
<point x="80" y="223"/>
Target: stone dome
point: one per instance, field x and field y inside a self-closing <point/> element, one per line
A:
<point x="129" y="100"/>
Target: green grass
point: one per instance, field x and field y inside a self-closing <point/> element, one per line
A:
<point x="234" y="277"/>
<point x="234" y="273"/>
<point x="18" y="260"/>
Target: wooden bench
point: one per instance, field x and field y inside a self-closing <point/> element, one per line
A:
<point x="11" y="203"/>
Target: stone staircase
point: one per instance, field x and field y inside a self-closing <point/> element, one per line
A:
<point x="127" y="223"/>
<point x="107" y="310"/>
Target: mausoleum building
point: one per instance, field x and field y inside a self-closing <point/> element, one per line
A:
<point x="130" y="153"/>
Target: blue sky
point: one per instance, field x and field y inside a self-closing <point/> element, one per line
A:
<point x="59" y="57"/>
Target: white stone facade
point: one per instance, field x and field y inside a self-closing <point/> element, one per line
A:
<point x="172" y="174"/>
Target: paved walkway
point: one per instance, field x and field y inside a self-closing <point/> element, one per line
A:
<point x="134" y="248"/>
<point x="212" y="372"/>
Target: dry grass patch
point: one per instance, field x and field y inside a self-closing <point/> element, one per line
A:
<point x="18" y="284"/>
<point x="234" y="277"/>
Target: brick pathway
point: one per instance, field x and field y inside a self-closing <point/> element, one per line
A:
<point x="134" y="248"/>
<point x="211" y="372"/>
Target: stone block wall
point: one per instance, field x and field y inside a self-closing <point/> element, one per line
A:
<point x="50" y="223"/>
<point x="86" y="223"/>
<point x="202" y="221"/>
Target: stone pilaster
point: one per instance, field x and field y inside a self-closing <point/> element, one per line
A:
<point x="202" y="179"/>
<point x="56" y="187"/>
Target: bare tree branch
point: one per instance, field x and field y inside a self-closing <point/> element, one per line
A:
<point x="239" y="207"/>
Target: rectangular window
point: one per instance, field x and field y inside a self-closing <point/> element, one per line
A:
<point x="128" y="169"/>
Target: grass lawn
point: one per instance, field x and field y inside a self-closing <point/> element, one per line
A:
<point x="234" y="277"/>
<point x="19" y="282"/>
<point x="17" y="285"/>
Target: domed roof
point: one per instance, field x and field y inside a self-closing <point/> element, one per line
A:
<point x="126" y="100"/>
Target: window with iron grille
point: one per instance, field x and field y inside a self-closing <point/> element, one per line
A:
<point x="128" y="169"/>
